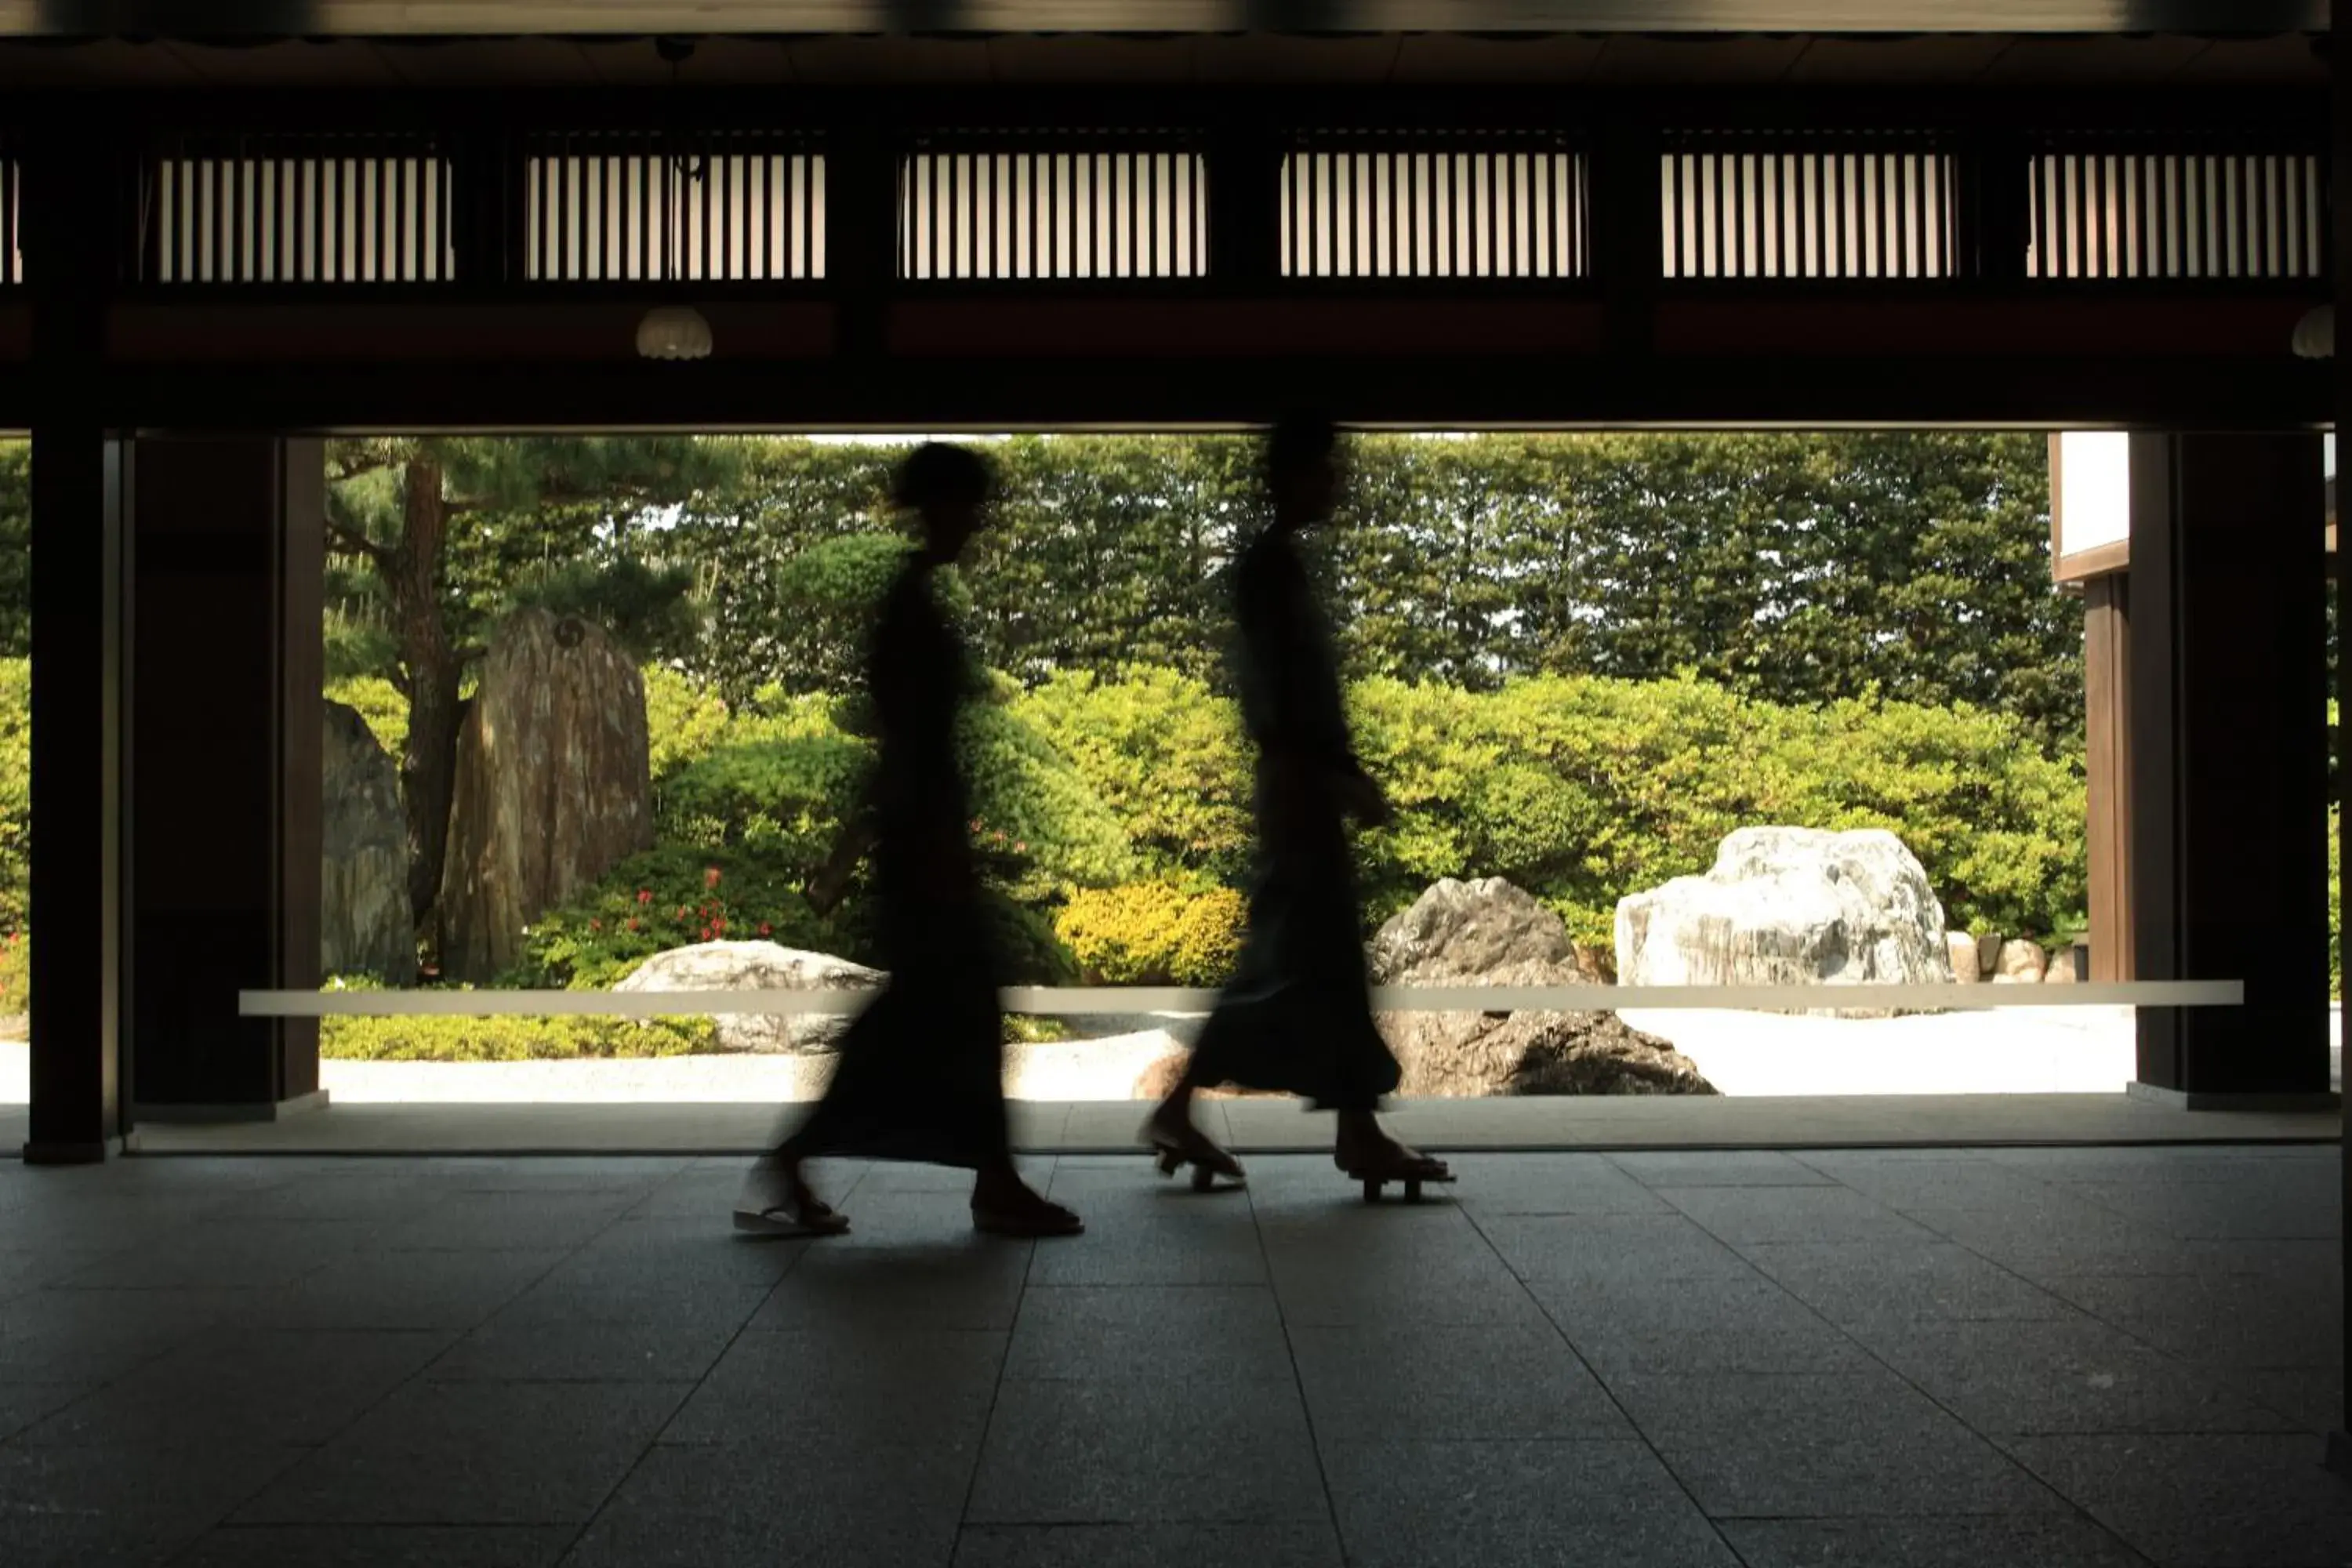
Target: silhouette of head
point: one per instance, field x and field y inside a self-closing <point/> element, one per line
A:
<point x="1302" y="469"/>
<point x="948" y="487"/>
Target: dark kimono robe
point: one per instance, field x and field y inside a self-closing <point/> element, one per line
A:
<point x="1297" y="1017"/>
<point x="919" y="1074"/>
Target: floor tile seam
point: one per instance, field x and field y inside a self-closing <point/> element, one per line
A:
<point x="2201" y="1370"/>
<point x="1298" y="1375"/>
<point x="197" y="1538"/>
<point x="456" y="1336"/>
<point x="1004" y="1363"/>
<point x="2075" y="1308"/>
<point x="94" y="1390"/>
<point x="2100" y="1526"/>
<point x="2066" y="1503"/>
<point x="2071" y="1308"/>
<point x="1648" y="1444"/>
<point x="588" y="1522"/>
<point x="2047" y="1184"/>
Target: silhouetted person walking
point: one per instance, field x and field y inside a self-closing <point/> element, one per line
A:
<point x="1297" y="1017"/>
<point x="920" y="1071"/>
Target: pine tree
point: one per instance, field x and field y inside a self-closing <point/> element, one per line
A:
<point x="437" y="537"/>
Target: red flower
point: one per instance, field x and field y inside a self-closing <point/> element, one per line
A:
<point x="710" y="877"/>
<point x="705" y="933"/>
<point x="718" y="925"/>
<point x="633" y="923"/>
<point x="645" y="895"/>
<point x="766" y="930"/>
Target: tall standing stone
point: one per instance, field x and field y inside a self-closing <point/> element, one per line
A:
<point x="363" y="919"/>
<point x="555" y="786"/>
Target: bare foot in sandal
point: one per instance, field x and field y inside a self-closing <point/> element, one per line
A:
<point x="1004" y="1204"/>
<point x="1178" y="1140"/>
<point x="778" y="1201"/>
<point x="1367" y="1153"/>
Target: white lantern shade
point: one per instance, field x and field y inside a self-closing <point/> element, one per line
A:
<point x="674" y="332"/>
<point x="2314" y="335"/>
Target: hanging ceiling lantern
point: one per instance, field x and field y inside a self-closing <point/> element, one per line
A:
<point x="674" y="332"/>
<point x="2314" y="335"/>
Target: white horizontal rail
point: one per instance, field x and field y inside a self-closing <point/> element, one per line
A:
<point x="1140" y="999"/>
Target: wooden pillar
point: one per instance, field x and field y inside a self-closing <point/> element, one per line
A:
<point x="2106" y="691"/>
<point x="1245" y="196"/>
<point x="861" y="236"/>
<point x="2339" y="38"/>
<point x="1630" y="263"/>
<point x="80" y="485"/>
<point x="229" y="557"/>
<point x="2228" y="763"/>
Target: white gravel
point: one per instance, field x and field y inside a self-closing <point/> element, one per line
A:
<point x="2016" y="1051"/>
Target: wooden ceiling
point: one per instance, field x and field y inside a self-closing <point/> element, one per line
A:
<point x="1366" y="59"/>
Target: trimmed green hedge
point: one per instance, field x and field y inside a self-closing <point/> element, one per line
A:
<point x="1584" y="789"/>
<point x="508" y="1040"/>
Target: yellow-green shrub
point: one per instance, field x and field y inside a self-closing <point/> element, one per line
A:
<point x="510" y="1039"/>
<point x="1154" y="933"/>
<point x="380" y="703"/>
<point x="15" y="974"/>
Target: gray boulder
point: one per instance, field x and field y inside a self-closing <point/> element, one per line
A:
<point x="1489" y="932"/>
<point x="1790" y="906"/>
<point x="363" y="916"/>
<point x="757" y="966"/>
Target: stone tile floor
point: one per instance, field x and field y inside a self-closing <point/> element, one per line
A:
<point x="2053" y="1357"/>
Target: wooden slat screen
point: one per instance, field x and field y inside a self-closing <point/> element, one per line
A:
<point x="629" y="207"/>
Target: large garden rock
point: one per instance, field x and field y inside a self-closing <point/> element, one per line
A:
<point x="759" y="966"/>
<point x="555" y="786"/>
<point x="1489" y="932"/>
<point x="1790" y="906"/>
<point x="363" y="916"/>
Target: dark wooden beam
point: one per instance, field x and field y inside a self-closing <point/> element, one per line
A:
<point x="1426" y="391"/>
<point x="247" y="19"/>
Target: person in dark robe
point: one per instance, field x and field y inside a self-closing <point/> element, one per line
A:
<point x="1297" y="1017"/>
<point x="919" y="1073"/>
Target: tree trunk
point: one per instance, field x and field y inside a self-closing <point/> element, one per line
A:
<point x="431" y="667"/>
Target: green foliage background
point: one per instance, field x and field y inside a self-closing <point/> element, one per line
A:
<point x="1576" y="661"/>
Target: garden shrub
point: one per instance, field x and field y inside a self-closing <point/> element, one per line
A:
<point x="15" y="974"/>
<point x="1584" y="789"/>
<point x="1043" y="830"/>
<point x="1165" y="755"/>
<point x="1154" y="933"/>
<point x="1027" y="946"/>
<point x="684" y="719"/>
<point x="15" y="793"/>
<point x="676" y="896"/>
<point x="785" y="795"/>
<point x="785" y="774"/>
<point x="380" y="703"/>
<point x="510" y="1039"/>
